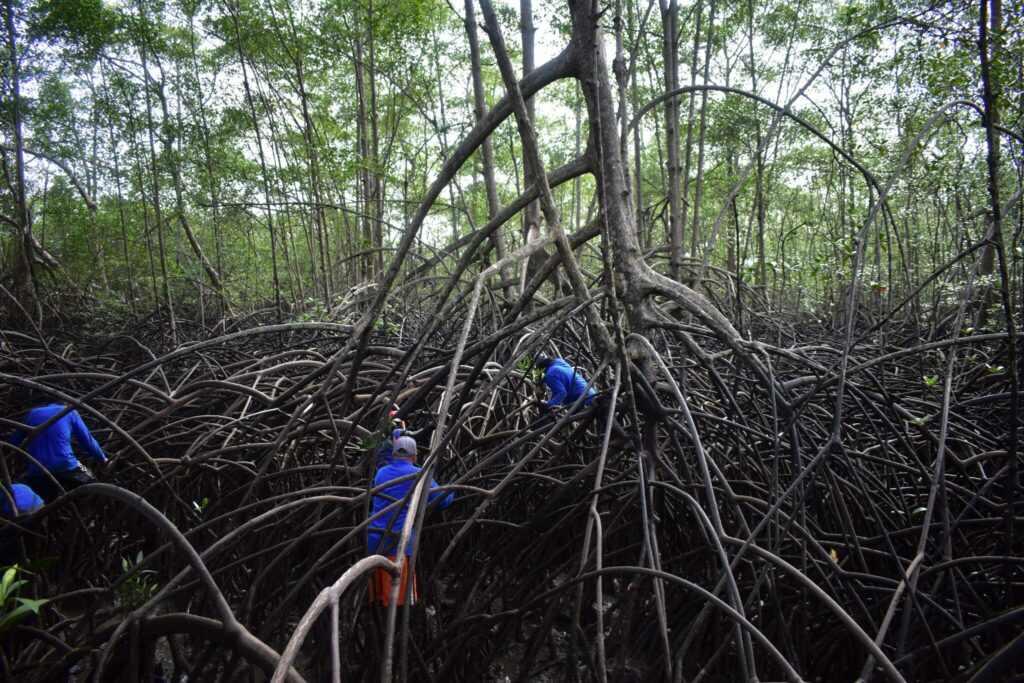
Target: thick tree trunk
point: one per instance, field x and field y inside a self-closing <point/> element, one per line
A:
<point x="669" y="21"/>
<point x="989" y="43"/>
<point x="989" y="47"/>
<point x="23" y="284"/>
<point x="376" y="186"/>
<point x="685" y="194"/>
<point x="365" y="196"/>
<point x="613" y="191"/>
<point x="642" y="216"/>
<point x="761" y="270"/>
<point x="698" y="192"/>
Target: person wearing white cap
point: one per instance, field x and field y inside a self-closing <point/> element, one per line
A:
<point x="397" y="478"/>
<point x="396" y="428"/>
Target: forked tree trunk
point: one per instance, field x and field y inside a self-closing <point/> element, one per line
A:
<point x="613" y="191"/>
<point x="635" y="280"/>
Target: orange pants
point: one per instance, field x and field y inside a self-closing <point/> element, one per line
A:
<point x="380" y="585"/>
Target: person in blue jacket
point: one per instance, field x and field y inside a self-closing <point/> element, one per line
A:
<point x="566" y="383"/>
<point x="398" y="478"/>
<point x="25" y="500"/>
<point x="52" y="449"/>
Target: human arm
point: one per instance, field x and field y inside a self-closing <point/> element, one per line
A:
<point x="84" y="438"/>
<point x="442" y="500"/>
<point x="556" y="383"/>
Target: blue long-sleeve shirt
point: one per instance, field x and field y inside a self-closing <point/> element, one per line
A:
<point x="566" y="384"/>
<point x="25" y="500"/>
<point x="386" y="544"/>
<point x="52" y="448"/>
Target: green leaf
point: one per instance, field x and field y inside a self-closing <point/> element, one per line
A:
<point x="32" y="604"/>
<point x="27" y="606"/>
<point x="931" y="380"/>
<point x="8" y="585"/>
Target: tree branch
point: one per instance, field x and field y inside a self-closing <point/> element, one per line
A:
<point x="86" y="197"/>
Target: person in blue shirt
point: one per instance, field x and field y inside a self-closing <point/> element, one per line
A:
<point x="25" y="500"/>
<point x="398" y="478"/>
<point x="566" y="383"/>
<point x="52" y="449"/>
